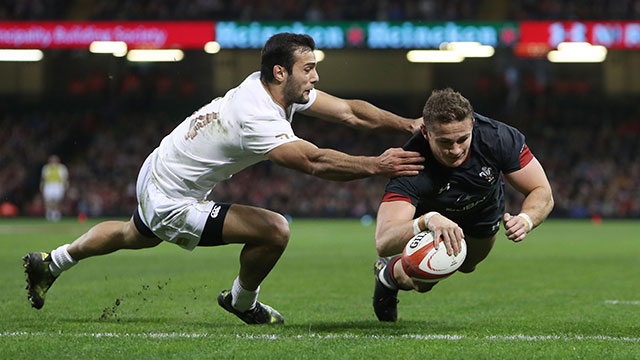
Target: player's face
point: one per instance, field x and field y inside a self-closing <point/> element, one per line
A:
<point x="450" y="142"/>
<point x="302" y="78"/>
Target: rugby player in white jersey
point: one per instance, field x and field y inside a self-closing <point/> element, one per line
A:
<point x="251" y="123"/>
<point x="53" y="184"/>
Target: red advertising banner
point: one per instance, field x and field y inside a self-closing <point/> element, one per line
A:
<point x="611" y="34"/>
<point x="76" y="34"/>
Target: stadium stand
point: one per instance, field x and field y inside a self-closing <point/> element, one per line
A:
<point x="587" y="141"/>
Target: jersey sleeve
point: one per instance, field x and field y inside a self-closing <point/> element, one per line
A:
<point x="402" y="189"/>
<point x="312" y="98"/>
<point x="261" y="135"/>
<point x="514" y="154"/>
<point x="64" y="172"/>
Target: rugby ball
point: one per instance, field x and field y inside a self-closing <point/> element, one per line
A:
<point x="421" y="262"/>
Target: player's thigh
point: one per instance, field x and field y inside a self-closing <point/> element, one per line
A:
<point x="249" y="224"/>
<point x="133" y="239"/>
<point x="477" y="250"/>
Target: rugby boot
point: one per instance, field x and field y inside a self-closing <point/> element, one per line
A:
<point x="385" y="300"/>
<point x="39" y="277"/>
<point x="260" y="314"/>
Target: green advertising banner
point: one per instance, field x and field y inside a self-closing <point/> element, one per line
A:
<point x="373" y="35"/>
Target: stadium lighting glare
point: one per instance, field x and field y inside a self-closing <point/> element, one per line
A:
<point x="469" y="48"/>
<point x="434" y="56"/>
<point x="319" y="55"/>
<point x="212" y="47"/>
<point x="117" y="48"/>
<point x="21" y="55"/>
<point x="573" y="46"/>
<point x="577" y="52"/>
<point x="156" y="55"/>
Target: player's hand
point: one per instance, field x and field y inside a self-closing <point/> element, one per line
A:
<point x="451" y="233"/>
<point x="517" y="228"/>
<point x="416" y="124"/>
<point x="396" y="162"/>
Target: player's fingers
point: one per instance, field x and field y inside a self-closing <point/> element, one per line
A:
<point x="410" y="167"/>
<point x="411" y="159"/>
<point x="404" y="173"/>
<point x="455" y="241"/>
<point x="447" y="242"/>
<point x="509" y="230"/>
<point x="410" y="163"/>
<point x="436" y="239"/>
<point x="409" y="154"/>
<point x="512" y="226"/>
<point x="506" y="218"/>
<point x="518" y="234"/>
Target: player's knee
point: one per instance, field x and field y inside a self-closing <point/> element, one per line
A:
<point x="468" y="269"/>
<point x="279" y="233"/>
<point x="423" y="287"/>
<point x="382" y="246"/>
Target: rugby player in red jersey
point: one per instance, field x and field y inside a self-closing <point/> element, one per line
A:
<point x="459" y="194"/>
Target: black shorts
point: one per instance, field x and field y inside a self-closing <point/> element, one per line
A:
<point x="212" y="233"/>
<point x="482" y="223"/>
<point x="481" y="230"/>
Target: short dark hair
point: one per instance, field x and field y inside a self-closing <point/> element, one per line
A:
<point x="280" y="49"/>
<point x="445" y="106"/>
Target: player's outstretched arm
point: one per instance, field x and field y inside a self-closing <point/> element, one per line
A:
<point x="532" y="182"/>
<point x="394" y="227"/>
<point x="359" y="114"/>
<point x="330" y="164"/>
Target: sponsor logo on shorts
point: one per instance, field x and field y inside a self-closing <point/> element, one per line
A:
<point x="215" y="211"/>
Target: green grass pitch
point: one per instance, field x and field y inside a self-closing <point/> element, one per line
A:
<point x="570" y="290"/>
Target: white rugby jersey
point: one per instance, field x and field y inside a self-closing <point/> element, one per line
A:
<point x="222" y="138"/>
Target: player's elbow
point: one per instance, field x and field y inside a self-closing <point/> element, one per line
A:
<point x="383" y="245"/>
<point x="547" y="195"/>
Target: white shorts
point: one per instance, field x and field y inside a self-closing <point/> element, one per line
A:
<point x="179" y="221"/>
<point x="53" y="191"/>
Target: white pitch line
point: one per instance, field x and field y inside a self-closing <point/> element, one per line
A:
<point x="622" y="302"/>
<point x="447" y="337"/>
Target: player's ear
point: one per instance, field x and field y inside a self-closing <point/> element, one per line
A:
<point x="279" y="73"/>
<point x="424" y="132"/>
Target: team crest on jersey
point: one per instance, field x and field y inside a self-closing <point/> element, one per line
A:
<point x="445" y="188"/>
<point x="488" y="174"/>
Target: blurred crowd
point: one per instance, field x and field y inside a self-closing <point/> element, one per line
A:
<point x="320" y="10"/>
<point x="587" y="141"/>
